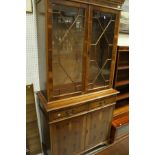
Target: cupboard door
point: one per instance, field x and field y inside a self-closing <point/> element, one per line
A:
<point x="68" y="136"/>
<point x="101" y="49"/>
<point x="98" y="126"/>
<point x="68" y="35"/>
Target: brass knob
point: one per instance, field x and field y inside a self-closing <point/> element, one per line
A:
<point x="59" y="115"/>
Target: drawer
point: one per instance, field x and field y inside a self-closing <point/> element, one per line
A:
<point x="58" y="114"/>
<point x="68" y="112"/>
<point x="109" y="100"/>
<point x="79" y="109"/>
<point x="97" y="104"/>
<point x="102" y="103"/>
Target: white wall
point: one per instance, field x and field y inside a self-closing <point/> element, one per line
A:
<point x="32" y="75"/>
<point x="123" y="39"/>
<point x="32" y="72"/>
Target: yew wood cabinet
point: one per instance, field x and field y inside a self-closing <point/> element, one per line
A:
<point x="77" y="43"/>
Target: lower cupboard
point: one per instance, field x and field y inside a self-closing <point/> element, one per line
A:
<point x="78" y="128"/>
<point x="81" y="133"/>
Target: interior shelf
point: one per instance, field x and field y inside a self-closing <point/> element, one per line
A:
<point x="123" y="51"/>
<point x="121" y="110"/>
<point x="123" y="67"/>
<point x="122" y="96"/>
<point x="121" y="83"/>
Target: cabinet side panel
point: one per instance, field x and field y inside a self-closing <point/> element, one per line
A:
<point x="41" y="45"/>
<point x="45" y="133"/>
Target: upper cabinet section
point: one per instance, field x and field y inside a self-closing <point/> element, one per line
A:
<point x="78" y="47"/>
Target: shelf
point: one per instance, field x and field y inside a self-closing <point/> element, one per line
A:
<point x="122" y="96"/>
<point x="123" y="51"/>
<point x="123" y="67"/>
<point x="121" y="83"/>
<point x="121" y="110"/>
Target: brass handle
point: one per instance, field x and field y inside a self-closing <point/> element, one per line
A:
<point x="59" y="115"/>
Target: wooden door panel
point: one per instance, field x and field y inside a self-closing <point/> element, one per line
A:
<point x="68" y="136"/>
<point x="98" y="126"/>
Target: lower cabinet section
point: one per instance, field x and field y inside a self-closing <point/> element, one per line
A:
<point x="77" y="129"/>
<point x="78" y="134"/>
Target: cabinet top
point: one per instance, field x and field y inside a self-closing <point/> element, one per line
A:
<point x="76" y="100"/>
<point x="111" y="3"/>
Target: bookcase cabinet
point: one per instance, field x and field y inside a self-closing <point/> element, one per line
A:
<point x="77" y="44"/>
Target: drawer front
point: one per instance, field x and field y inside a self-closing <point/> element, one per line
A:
<point x="68" y="112"/>
<point x="58" y="114"/>
<point x="94" y="105"/>
<point x="79" y="109"/>
<point x="109" y="100"/>
<point x="102" y="103"/>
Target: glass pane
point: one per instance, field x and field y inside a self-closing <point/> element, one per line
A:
<point x="100" y="55"/>
<point x="68" y="38"/>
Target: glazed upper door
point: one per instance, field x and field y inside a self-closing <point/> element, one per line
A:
<point x="68" y="35"/>
<point x="82" y="42"/>
<point x="101" y="48"/>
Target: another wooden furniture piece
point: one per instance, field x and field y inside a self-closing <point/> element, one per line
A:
<point x="77" y="42"/>
<point x="33" y="144"/>
<point x="120" y="127"/>
<point x="120" y="147"/>
<point x="122" y="80"/>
